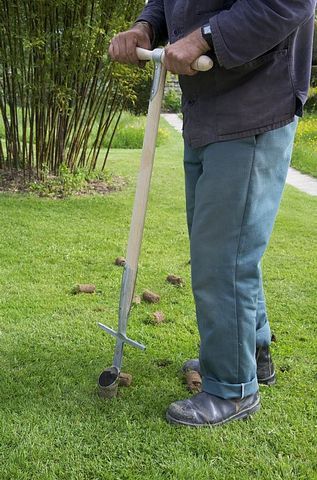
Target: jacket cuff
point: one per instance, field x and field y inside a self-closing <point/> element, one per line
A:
<point x="219" y="44"/>
<point x="152" y="31"/>
<point x="158" y="34"/>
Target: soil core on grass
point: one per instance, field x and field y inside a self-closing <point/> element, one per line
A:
<point x="150" y="297"/>
<point x="120" y="261"/>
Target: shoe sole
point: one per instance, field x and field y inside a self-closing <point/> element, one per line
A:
<point x="238" y="416"/>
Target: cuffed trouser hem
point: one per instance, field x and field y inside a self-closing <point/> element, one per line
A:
<point x="229" y="390"/>
<point x="263" y="336"/>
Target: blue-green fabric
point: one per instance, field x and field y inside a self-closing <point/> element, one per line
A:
<point x="233" y="191"/>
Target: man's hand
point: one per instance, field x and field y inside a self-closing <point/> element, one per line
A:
<point x="123" y="46"/>
<point x="180" y="55"/>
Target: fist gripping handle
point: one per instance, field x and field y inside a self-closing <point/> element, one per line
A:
<point x="202" y="64"/>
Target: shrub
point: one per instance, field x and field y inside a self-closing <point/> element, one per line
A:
<point x="68" y="183"/>
<point x="311" y="104"/>
<point x="172" y="102"/>
<point x="142" y="89"/>
<point x="305" y="148"/>
<point x="57" y="81"/>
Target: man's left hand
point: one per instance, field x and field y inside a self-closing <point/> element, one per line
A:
<point x="180" y="55"/>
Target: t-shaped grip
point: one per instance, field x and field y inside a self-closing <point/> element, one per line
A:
<point x="202" y="64"/>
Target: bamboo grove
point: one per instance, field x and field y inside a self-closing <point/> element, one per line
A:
<point x="60" y="97"/>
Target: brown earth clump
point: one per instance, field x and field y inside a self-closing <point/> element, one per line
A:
<point x="84" y="288"/>
<point x="150" y="297"/>
<point x="125" y="379"/>
<point x="136" y="300"/>
<point x="175" y="280"/>
<point x="158" y="317"/>
<point x="120" y="261"/>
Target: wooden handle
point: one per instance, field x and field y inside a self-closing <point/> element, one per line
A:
<point x="144" y="55"/>
<point x="202" y="64"/>
<point x="141" y="196"/>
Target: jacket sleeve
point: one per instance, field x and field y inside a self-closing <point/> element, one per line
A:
<point x="153" y="13"/>
<point x="251" y="28"/>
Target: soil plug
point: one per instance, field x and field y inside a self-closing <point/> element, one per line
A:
<point x="150" y="297"/>
<point x="136" y="300"/>
<point x="84" y="288"/>
<point x="175" y="280"/>
<point x="158" y="317"/>
<point x="125" y="379"/>
<point x="120" y="261"/>
<point x="193" y="380"/>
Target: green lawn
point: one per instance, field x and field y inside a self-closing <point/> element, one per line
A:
<point x="53" y="426"/>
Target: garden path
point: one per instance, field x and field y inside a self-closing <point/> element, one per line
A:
<point x="302" y="182"/>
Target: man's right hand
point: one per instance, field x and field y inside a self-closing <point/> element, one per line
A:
<point x="123" y="46"/>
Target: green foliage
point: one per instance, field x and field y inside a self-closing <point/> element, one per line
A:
<point x="311" y="104"/>
<point x="172" y="102"/>
<point x="57" y="81"/>
<point x="67" y="183"/>
<point x="314" y="76"/>
<point x="315" y="45"/>
<point x="138" y="105"/>
<point x="129" y="133"/>
<point x="305" y="147"/>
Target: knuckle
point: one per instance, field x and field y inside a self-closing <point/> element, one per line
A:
<point x="167" y="52"/>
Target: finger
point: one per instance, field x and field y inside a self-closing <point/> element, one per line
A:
<point x="187" y="70"/>
<point x="191" y="72"/>
<point x="172" y="62"/>
<point x="145" y="44"/>
<point x="115" y="48"/>
<point x="122" y="52"/>
<point x="130" y="46"/>
<point x="169" y="66"/>
<point x="110" y="51"/>
<point x="168" y="62"/>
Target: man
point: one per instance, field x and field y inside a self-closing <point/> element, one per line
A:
<point x="239" y="127"/>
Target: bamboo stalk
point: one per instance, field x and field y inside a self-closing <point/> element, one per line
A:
<point x="56" y="85"/>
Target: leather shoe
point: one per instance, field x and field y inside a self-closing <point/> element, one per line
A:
<point x="265" y="367"/>
<point x="205" y="409"/>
